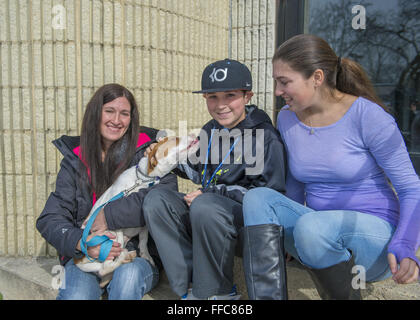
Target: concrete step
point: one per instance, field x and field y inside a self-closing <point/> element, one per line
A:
<point x="23" y="278"/>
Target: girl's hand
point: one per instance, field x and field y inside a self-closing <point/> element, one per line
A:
<point x="408" y="271"/>
<point x="191" y="196"/>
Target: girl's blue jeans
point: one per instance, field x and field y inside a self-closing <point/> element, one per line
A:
<point x="320" y="239"/>
<point x="130" y="281"/>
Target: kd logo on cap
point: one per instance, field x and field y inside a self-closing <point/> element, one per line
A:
<point x="215" y="75"/>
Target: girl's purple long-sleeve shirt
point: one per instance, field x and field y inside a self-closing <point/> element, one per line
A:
<point x="344" y="166"/>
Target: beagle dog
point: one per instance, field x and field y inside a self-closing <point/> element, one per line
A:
<point x="164" y="157"/>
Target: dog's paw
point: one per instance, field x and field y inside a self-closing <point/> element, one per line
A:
<point x="146" y="255"/>
<point x="129" y="257"/>
<point x="105" y="280"/>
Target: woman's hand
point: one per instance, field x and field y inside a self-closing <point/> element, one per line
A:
<point x="100" y="222"/>
<point x="191" y="196"/>
<point x="94" y="250"/>
<point x="408" y="271"/>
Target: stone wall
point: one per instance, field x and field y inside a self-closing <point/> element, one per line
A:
<point x="55" y="54"/>
<point x="253" y="42"/>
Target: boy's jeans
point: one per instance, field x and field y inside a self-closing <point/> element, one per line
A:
<point x="130" y="281"/>
<point x="320" y="239"/>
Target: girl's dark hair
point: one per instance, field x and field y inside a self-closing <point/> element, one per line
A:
<point x="305" y="53"/>
<point x="118" y="157"/>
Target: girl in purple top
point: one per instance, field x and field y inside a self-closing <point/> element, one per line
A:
<point x="342" y="145"/>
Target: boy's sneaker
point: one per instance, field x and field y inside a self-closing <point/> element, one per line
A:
<point x="231" y="296"/>
<point x="189" y="296"/>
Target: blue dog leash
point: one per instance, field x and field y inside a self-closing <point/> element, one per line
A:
<point x="104" y="241"/>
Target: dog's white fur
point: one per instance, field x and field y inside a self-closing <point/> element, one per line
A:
<point x="168" y="153"/>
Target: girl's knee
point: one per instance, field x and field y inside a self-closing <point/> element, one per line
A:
<point x="308" y="226"/>
<point x="255" y="196"/>
<point x="308" y="234"/>
<point x="318" y="242"/>
<point x="257" y="207"/>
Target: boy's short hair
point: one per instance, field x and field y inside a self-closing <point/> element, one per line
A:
<point x="225" y="75"/>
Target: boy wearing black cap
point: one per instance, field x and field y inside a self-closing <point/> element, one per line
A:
<point x="198" y="234"/>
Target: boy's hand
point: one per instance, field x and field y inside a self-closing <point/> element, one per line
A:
<point x="191" y="196"/>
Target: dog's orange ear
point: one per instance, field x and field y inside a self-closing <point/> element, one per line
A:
<point x="151" y="160"/>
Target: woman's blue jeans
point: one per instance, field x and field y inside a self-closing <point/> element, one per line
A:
<point x="320" y="239"/>
<point x="130" y="281"/>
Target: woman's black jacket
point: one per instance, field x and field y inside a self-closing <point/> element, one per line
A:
<point x="70" y="203"/>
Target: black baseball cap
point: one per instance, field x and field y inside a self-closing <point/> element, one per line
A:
<point x="225" y="75"/>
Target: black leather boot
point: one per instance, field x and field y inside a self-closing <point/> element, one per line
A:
<point x="264" y="262"/>
<point x="335" y="282"/>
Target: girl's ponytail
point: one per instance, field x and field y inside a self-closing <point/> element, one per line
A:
<point x="306" y="53"/>
<point x="352" y="79"/>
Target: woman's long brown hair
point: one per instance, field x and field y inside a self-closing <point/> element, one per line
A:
<point x="306" y="53"/>
<point x="119" y="155"/>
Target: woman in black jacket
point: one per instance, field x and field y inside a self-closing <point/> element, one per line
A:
<point x="111" y="141"/>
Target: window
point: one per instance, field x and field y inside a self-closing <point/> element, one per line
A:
<point x="384" y="37"/>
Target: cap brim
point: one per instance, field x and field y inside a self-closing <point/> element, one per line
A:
<point x="221" y="90"/>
